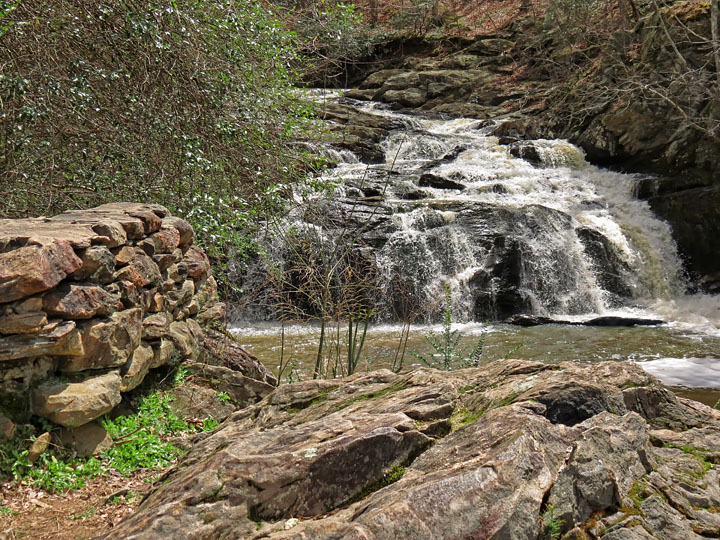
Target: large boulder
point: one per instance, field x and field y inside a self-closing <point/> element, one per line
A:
<point x="55" y="338"/>
<point x="499" y="452"/>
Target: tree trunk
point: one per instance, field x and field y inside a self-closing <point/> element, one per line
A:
<point x="373" y="13"/>
<point x="714" y="16"/>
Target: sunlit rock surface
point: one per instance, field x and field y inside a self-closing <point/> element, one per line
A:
<point x="501" y="451"/>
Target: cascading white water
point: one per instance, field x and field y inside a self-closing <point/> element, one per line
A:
<point x="555" y="237"/>
<point x="433" y="245"/>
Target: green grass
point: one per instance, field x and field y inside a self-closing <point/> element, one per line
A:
<point x="463" y="416"/>
<point x="49" y="472"/>
<point x="392" y="475"/>
<point x="553" y="525"/>
<point x="128" y="498"/>
<point x="141" y="440"/>
<point x="6" y="511"/>
<point x="321" y="396"/>
<point x="90" y="512"/>
<point x="699" y="454"/>
<point x="396" y="387"/>
<point x="638" y="493"/>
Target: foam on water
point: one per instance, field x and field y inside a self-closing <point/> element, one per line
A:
<point x="558" y="277"/>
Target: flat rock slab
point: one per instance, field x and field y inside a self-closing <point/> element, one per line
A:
<point x="35" y="268"/>
<point x="532" y="320"/>
<point x="480" y="453"/>
<point x="107" y="342"/>
<point x="80" y="301"/>
<point x="56" y="338"/>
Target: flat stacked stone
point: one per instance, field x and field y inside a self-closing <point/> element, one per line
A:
<point x="91" y="301"/>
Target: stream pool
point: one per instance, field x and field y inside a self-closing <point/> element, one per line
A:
<point x="684" y="357"/>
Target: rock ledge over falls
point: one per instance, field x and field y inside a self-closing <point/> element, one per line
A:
<point x="512" y="450"/>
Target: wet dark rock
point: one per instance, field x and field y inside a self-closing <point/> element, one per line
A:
<point x="622" y="321"/>
<point x="609" y="268"/>
<point x="447" y="158"/>
<point x="516" y="129"/>
<point x="410" y="192"/>
<point x="532" y="320"/>
<point x="353" y="459"/>
<point x="357" y="130"/>
<point x="653" y="186"/>
<point x="526" y="151"/>
<point x="529" y="320"/>
<point x="498" y="284"/>
<point x="438" y="182"/>
<point x="694" y="215"/>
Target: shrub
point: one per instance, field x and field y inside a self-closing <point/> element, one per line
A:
<point x="185" y="103"/>
<point x="331" y="36"/>
<point x="448" y="354"/>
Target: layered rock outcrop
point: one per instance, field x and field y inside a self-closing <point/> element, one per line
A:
<point x="90" y="301"/>
<point x="513" y="450"/>
<point x="461" y="78"/>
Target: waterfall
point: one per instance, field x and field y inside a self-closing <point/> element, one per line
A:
<point x="523" y="228"/>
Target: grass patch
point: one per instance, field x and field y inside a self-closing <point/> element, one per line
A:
<point x="128" y="498"/>
<point x="319" y="398"/>
<point x="396" y="387"/>
<point x="6" y="511"/>
<point x="142" y="440"/>
<point x="50" y="472"/>
<point x="392" y="475"/>
<point x="638" y="493"/>
<point x="90" y="512"/>
<point x="699" y="454"/>
<point x="463" y="416"/>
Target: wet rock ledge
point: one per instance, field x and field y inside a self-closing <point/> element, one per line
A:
<point x="513" y="450"/>
<point x="90" y="301"/>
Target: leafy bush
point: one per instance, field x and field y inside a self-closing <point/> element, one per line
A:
<point x="139" y="442"/>
<point x="185" y="103"/>
<point x="418" y="17"/>
<point x="49" y="472"/>
<point x="331" y="35"/>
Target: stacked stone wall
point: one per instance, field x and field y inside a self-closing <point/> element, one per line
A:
<point x="91" y="301"/>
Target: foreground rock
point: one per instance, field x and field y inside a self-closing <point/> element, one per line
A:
<point x="599" y="450"/>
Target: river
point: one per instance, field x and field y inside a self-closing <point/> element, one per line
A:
<point x="526" y="227"/>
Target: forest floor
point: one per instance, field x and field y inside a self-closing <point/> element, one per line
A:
<point x="32" y="514"/>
